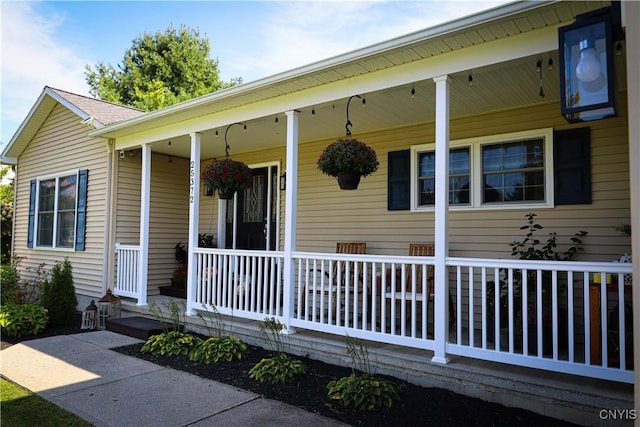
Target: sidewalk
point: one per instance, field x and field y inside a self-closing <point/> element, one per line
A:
<point x="81" y="374"/>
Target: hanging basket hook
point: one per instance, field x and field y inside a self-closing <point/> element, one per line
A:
<point x="226" y="144"/>
<point x="349" y="124"/>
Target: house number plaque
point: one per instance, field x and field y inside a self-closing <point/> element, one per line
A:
<point x="192" y="180"/>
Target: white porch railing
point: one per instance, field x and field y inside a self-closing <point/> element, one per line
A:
<point x="241" y="283"/>
<point x="127" y="262"/>
<point x="570" y="317"/>
<point x="382" y="298"/>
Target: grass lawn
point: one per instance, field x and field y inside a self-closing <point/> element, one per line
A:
<point x="22" y="408"/>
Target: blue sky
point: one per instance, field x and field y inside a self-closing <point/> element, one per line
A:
<point x="50" y="43"/>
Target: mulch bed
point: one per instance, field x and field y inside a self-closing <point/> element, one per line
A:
<point x="418" y="405"/>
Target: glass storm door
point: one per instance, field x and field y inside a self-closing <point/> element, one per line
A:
<point x="255" y="221"/>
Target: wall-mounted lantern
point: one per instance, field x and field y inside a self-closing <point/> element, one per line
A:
<point x="283" y="181"/>
<point x="586" y="67"/>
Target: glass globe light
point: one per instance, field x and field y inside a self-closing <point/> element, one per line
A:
<point x="588" y="69"/>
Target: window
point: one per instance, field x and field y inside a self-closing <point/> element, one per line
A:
<point x="57" y="211"/>
<point x="513" y="172"/>
<point x="459" y="178"/>
<point x="497" y="172"/>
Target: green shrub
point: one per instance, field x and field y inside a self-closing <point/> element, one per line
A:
<point x="365" y="391"/>
<point x="171" y="343"/>
<point x="59" y="295"/>
<point x="18" y="320"/>
<point x="277" y="369"/>
<point x="219" y="349"/>
<point x="9" y="284"/>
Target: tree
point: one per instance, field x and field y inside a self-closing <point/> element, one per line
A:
<point x="59" y="295"/>
<point x="159" y="70"/>
<point x="6" y="216"/>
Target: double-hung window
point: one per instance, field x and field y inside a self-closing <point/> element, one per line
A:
<point x="459" y="177"/>
<point x="513" y="172"/>
<point x="500" y="171"/>
<point x="57" y="211"/>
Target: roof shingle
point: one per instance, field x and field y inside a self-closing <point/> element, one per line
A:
<point x="104" y="112"/>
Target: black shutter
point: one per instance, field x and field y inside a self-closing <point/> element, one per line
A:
<point x="32" y="213"/>
<point x="399" y="167"/>
<point x="81" y="219"/>
<point x="572" y="166"/>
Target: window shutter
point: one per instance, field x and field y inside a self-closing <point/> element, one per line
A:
<point x="32" y="212"/>
<point x="398" y="187"/>
<point x="572" y="166"/>
<point x="81" y="212"/>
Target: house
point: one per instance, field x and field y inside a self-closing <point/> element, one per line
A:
<point x="53" y="151"/>
<point x="485" y="88"/>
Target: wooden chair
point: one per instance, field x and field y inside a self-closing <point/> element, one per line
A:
<point x="427" y="249"/>
<point x="342" y="268"/>
<point x="422" y="249"/>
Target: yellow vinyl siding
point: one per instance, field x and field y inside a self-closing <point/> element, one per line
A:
<point x="62" y="145"/>
<point x="169" y="211"/>
<point x="327" y="214"/>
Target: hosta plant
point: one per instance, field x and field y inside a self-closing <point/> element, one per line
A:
<point x="364" y="391"/>
<point x="278" y="369"/>
<point x="219" y="349"/>
<point x="172" y="343"/>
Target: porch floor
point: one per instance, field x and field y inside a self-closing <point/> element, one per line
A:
<point x="569" y="397"/>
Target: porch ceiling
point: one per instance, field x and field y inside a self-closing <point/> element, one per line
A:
<point x="496" y="88"/>
<point x="501" y="86"/>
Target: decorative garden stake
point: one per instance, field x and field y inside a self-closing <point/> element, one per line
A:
<point x="348" y="159"/>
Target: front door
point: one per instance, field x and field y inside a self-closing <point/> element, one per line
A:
<point x="255" y="216"/>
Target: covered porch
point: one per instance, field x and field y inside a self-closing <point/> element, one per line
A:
<point x="498" y="310"/>
<point x="474" y="83"/>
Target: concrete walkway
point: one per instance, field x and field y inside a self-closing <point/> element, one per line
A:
<point x="81" y="374"/>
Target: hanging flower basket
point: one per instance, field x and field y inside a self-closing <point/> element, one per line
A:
<point x="348" y="180"/>
<point x="348" y="156"/>
<point x="227" y="176"/>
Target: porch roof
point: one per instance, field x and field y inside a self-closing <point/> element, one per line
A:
<point x="472" y="45"/>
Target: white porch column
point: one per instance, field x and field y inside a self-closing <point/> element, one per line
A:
<point x="145" y="201"/>
<point x="290" y="217"/>
<point x="194" y="220"/>
<point x="222" y="224"/>
<point x="441" y="317"/>
<point x="631" y="21"/>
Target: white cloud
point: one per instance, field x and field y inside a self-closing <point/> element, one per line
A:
<point x="297" y="33"/>
<point x="33" y="56"/>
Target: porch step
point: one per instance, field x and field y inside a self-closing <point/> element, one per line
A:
<point x="173" y="291"/>
<point x="137" y="327"/>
